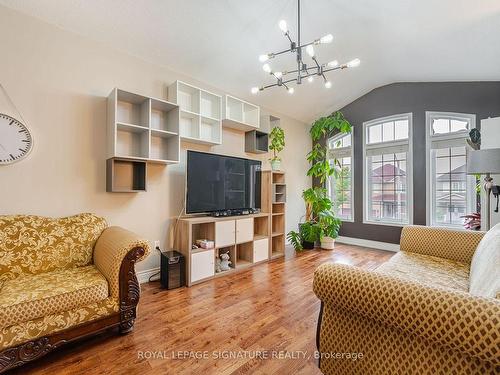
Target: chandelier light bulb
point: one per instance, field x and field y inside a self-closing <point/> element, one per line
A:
<point x="328" y="38"/>
<point x="353" y="63"/>
<point x="278" y="74"/>
<point x="333" y="64"/>
<point x="283" y="26"/>
<point x="310" y="79"/>
<point x="291" y="90"/>
<point x="263" y="58"/>
<point x="328" y="84"/>
<point x="266" y="68"/>
<point x="310" y="50"/>
<point x="255" y="90"/>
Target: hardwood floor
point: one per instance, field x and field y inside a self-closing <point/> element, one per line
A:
<point x="269" y="308"/>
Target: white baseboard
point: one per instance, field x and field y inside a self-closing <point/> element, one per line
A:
<point x="368" y="243"/>
<point x="143" y="276"/>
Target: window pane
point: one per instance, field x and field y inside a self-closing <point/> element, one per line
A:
<point x="346" y="141"/>
<point x="339" y="142"/>
<point x="458" y="125"/>
<point x="340" y="189"/>
<point x="442" y="165"/>
<point x="441" y="126"/>
<point x="387" y="190"/>
<point x="457" y="151"/>
<point x="449" y="186"/>
<point x="458" y="164"/>
<point x="375" y="134"/>
<point x="388" y="131"/>
<point x="401" y="129"/>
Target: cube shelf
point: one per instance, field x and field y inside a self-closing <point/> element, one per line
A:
<point x="278" y="246"/>
<point x="125" y="176"/>
<point x="279" y="193"/>
<point x="132" y="109"/>
<point x="142" y="128"/>
<point x="231" y="250"/>
<point x="131" y="141"/>
<point x="200" y="113"/>
<point x="244" y="253"/>
<point x="267" y="122"/>
<point x="256" y="142"/>
<point x="239" y="114"/>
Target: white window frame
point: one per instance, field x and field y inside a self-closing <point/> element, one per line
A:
<point x="342" y="152"/>
<point x="447" y="138"/>
<point x="404" y="143"/>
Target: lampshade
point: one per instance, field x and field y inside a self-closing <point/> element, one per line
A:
<point x="483" y="161"/>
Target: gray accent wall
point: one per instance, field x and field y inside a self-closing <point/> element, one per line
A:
<point x="479" y="98"/>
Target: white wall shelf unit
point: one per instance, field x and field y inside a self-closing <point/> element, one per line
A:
<point x="142" y="128"/>
<point x="200" y="113"/>
<point x="239" y="114"/>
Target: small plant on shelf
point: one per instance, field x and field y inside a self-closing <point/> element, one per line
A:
<point x="320" y="221"/>
<point x="277" y="144"/>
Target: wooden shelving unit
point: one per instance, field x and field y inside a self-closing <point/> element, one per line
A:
<point x="239" y="114"/>
<point x="274" y="203"/>
<point x="245" y="238"/>
<point x="200" y="113"/>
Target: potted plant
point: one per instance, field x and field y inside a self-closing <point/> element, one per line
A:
<point x="320" y="226"/>
<point x="277" y="144"/>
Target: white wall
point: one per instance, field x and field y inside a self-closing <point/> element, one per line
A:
<point x="60" y="81"/>
<point x="490" y="138"/>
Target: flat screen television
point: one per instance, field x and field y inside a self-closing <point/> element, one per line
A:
<point x="217" y="182"/>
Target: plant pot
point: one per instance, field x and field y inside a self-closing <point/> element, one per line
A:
<point x="307" y="245"/>
<point x="276" y="164"/>
<point x="327" y="243"/>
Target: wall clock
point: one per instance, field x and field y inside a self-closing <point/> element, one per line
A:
<point x="16" y="141"/>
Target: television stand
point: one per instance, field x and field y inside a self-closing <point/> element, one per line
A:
<point x="243" y="211"/>
<point x="248" y="239"/>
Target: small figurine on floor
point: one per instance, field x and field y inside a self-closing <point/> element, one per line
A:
<point x="223" y="263"/>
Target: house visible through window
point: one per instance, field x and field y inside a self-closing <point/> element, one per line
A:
<point x="451" y="192"/>
<point x="387" y="154"/>
<point x="340" y="152"/>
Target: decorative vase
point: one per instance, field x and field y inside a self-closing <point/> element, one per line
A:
<point x="327" y="243"/>
<point x="276" y="164"/>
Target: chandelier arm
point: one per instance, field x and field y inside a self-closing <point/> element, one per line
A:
<point x="331" y="69"/>
<point x="316" y="61"/>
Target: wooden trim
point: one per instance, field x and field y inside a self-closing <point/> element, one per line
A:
<point x="129" y="289"/>
<point x="129" y="297"/>
<point x="318" y="332"/>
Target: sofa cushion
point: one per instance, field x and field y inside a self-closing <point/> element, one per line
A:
<point x="26" y="331"/>
<point x="485" y="266"/>
<point x="429" y="270"/>
<point x="33" y="296"/>
<point x="35" y="244"/>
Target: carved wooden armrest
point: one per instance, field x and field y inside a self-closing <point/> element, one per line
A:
<point x="115" y="254"/>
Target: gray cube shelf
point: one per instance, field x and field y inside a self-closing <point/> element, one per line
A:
<point x="256" y="142"/>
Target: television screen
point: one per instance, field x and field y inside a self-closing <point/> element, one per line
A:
<point x="217" y="182"/>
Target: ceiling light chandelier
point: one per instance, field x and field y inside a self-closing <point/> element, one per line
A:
<point x="303" y="71"/>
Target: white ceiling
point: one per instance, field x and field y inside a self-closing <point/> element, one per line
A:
<point x="219" y="41"/>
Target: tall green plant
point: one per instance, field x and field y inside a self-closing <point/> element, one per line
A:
<point x="277" y="141"/>
<point x="321" y="167"/>
<point x="320" y="218"/>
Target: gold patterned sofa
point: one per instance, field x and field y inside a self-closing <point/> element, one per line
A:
<point x="433" y="308"/>
<point x="62" y="279"/>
